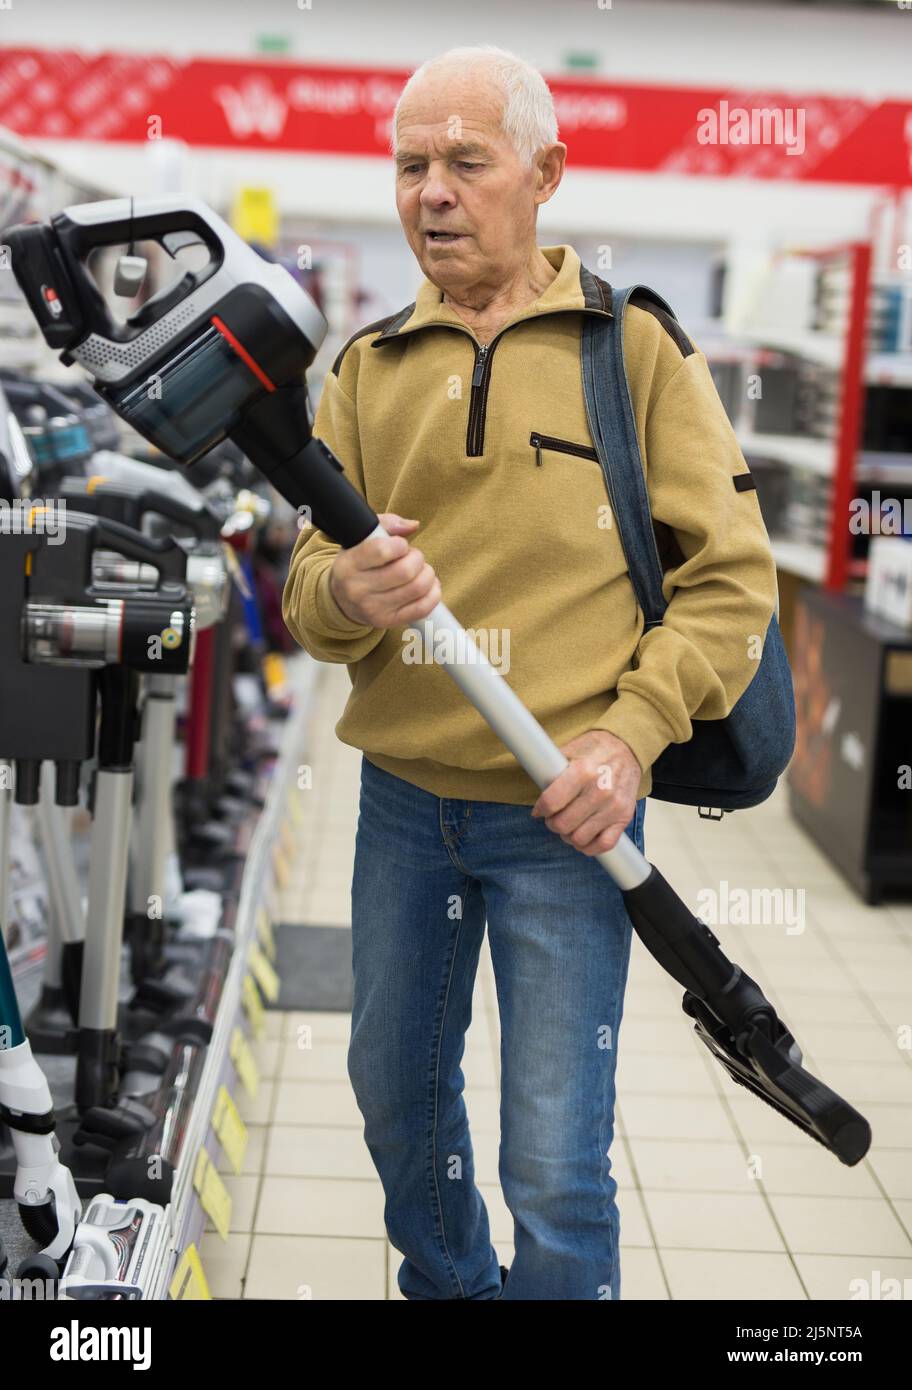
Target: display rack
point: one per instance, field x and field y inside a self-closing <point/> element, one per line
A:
<point x="216" y="1137"/>
<point x="842" y="459"/>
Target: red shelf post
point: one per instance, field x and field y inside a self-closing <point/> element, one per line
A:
<point x="850" y="417"/>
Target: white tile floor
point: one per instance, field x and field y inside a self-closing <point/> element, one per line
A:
<point x="720" y="1197"/>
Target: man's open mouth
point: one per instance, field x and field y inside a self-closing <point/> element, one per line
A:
<point x="443" y="236"/>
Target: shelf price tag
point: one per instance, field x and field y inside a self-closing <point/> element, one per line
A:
<point x="295" y="809"/>
<point x="253" y="1006"/>
<point x="215" y="1199"/>
<point x="264" y="973"/>
<point x="265" y="932"/>
<point x="244" y="1063"/>
<point x="230" y="1129"/>
<point x="189" y="1281"/>
<point x="280" y="865"/>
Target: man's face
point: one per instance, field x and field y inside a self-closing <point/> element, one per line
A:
<point x="456" y="171"/>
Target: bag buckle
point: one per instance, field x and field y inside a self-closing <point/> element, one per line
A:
<point x="710" y="812"/>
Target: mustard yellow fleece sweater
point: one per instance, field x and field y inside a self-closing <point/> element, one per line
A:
<point x="490" y="451"/>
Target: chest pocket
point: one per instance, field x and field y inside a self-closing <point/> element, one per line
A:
<point x="670" y="553"/>
<point x="540" y="442"/>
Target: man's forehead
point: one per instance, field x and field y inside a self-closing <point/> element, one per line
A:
<point x="443" y="114"/>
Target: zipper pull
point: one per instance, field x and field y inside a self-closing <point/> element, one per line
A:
<point x="479" y="366"/>
<point x="536" y="440"/>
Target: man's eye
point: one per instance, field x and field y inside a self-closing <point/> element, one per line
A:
<point x="464" y="164"/>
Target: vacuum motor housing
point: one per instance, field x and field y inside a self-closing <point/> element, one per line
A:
<point x="189" y="362"/>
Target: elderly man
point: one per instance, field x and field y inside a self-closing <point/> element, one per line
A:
<point x="464" y="414"/>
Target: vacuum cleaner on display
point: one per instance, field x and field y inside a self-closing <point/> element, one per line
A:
<point x="68" y="645"/>
<point x="222" y="352"/>
<point x="116" y="1252"/>
<point x="44" y="1189"/>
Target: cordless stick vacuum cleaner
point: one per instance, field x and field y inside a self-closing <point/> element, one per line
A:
<point x="184" y="1009"/>
<point x="223" y="351"/>
<point x="135" y="504"/>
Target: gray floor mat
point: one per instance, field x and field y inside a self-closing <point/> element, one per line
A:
<point x="314" y="967"/>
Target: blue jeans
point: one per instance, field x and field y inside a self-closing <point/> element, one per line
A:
<point x="428" y="873"/>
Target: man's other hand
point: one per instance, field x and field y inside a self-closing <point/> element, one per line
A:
<point x="593" y="800"/>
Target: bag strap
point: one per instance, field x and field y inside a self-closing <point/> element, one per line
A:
<point x="609" y="411"/>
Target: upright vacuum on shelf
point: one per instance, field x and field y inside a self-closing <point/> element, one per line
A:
<point x="137" y="504"/>
<point x="66" y="644"/>
<point x="228" y="345"/>
<point x="170" y="1009"/>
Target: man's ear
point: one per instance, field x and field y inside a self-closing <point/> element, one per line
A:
<point x="550" y="170"/>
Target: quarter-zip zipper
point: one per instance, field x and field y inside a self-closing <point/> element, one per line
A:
<point x="481" y="372"/>
<point x="481" y="377"/>
<point x="562" y="446"/>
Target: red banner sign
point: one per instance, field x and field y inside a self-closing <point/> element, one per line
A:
<point x="605" y="124"/>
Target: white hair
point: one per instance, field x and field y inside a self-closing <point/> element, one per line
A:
<point x="527" y="118"/>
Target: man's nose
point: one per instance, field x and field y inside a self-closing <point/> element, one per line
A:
<point x="437" y="187"/>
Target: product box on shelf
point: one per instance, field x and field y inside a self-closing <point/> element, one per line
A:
<point x="888" y="587"/>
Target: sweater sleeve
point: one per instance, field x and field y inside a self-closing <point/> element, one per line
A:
<point x="311" y="614"/>
<point x="721" y="596"/>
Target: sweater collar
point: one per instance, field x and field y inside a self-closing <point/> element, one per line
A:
<point x="573" y="288"/>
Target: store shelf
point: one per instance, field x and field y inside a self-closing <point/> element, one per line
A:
<point x="816" y="455"/>
<point x="894" y="468"/>
<point x="187" y="1216"/>
<point x="806" y="561"/>
<point x="822" y="348"/>
<point x="881" y="368"/>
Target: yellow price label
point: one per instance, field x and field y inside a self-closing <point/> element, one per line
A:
<point x="215" y="1199"/>
<point x="199" y="1171"/>
<point x="244" y="1063"/>
<point x="266" y="933"/>
<point x="295" y="809"/>
<point x="280" y="866"/>
<point x="253" y="1006"/>
<point x="264" y="973"/>
<point x="189" y="1281"/>
<point x="230" y="1129"/>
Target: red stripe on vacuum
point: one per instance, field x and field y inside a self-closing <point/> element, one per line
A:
<point x="242" y="353"/>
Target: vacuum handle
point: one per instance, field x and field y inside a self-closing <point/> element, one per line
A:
<point x="137" y="502"/>
<point x="171" y="221"/>
<point x="198" y="519"/>
<point x="163" y="553"/>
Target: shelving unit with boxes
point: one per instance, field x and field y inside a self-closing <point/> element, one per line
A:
<point x="818" y="385"/>
<point x="819" y="390"/>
